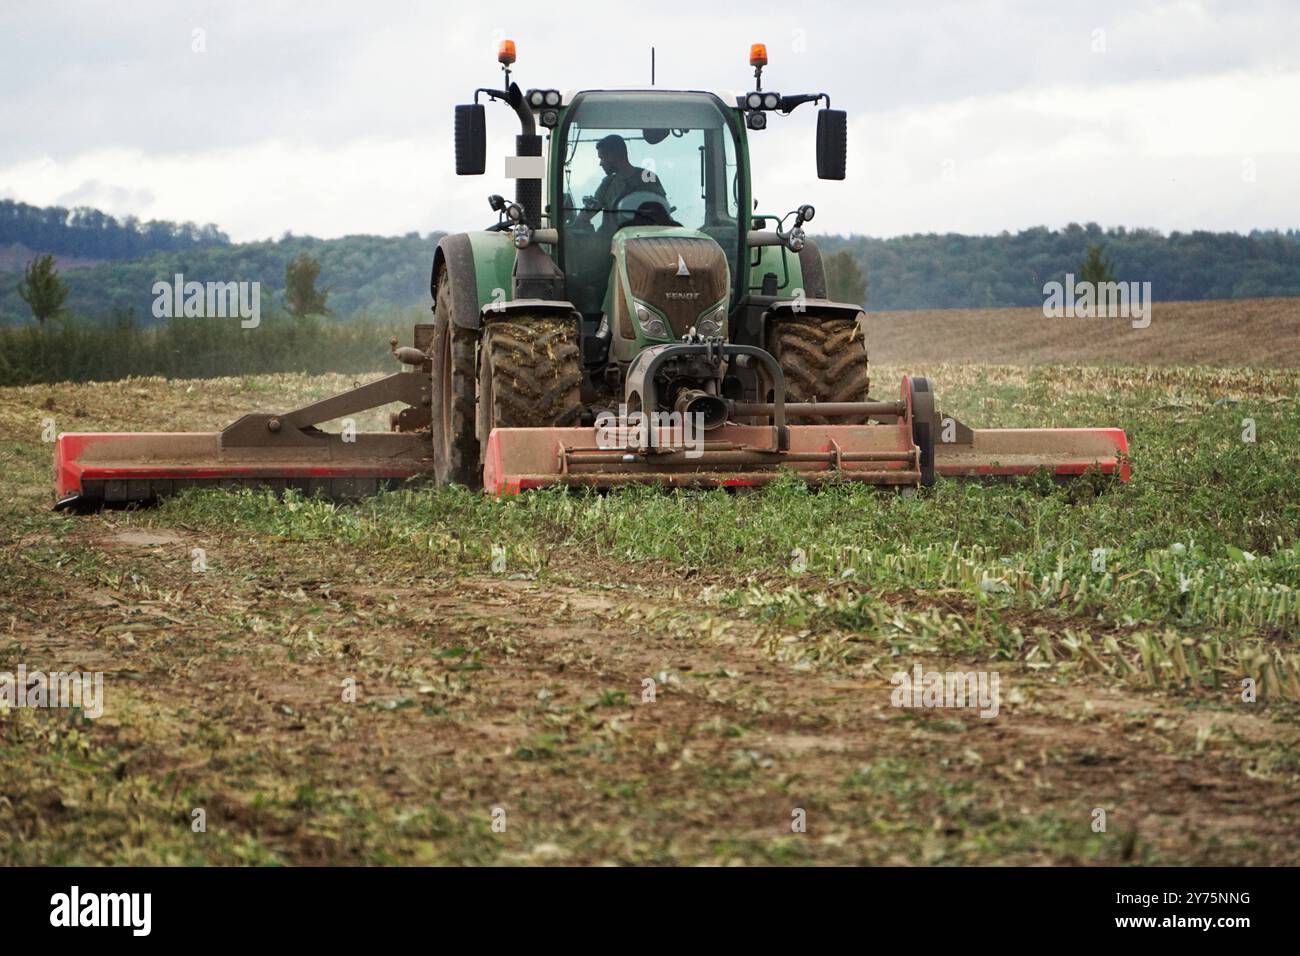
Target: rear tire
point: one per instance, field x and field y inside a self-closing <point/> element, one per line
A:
<point x="530" y="375"/>
<point x="455" y="444"/>
<point x="824" y="360"/>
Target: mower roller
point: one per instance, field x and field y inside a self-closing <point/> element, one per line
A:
<point x="681" y="341"/>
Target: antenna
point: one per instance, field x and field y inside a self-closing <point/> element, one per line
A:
<point x="652" y="66"/>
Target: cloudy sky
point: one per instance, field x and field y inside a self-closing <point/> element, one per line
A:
<point x="330" y="118"/>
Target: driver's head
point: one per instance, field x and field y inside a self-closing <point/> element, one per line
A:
<point x="612" y="151"/>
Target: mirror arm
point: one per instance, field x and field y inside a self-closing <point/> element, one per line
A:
<point x="794" y="100"/>
<point x="514" y="98"/>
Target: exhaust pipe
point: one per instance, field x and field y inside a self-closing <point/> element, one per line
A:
<point x="528" y="192"/>
<point x="710" y="409"/>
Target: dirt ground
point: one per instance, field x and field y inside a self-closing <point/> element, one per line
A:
<point x="1254" y="332"/>
<point x="485" y="693"/>
<point x="334" y="701"/>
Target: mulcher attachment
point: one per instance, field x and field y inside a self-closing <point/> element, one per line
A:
<point x="277" y="452"/>
<point x="906" y="444"/>
<point x="910" y="446"/>
<point x="642" y="451"/>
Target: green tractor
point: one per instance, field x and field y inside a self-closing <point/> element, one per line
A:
<point x="631" y="282"/>
<point x="632" y="232"/>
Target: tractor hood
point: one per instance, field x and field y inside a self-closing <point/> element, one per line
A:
<point x="680" y="274"/>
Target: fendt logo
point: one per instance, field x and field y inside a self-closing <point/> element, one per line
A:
<point x="682" y="272"/>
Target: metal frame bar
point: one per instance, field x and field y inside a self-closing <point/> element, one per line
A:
<point x="296" y="428"/>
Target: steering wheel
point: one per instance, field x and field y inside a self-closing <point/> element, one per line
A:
<point x="630" y="205"/>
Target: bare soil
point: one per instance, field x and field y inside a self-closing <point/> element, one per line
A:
<point x="1251" y="332"/>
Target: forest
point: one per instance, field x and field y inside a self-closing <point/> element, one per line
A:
<point x="371" y="275"/>
<point x="88" y="233"/>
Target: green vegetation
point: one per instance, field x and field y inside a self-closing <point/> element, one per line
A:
<point x="1206" y="537"/>
<point x="367" y="275"/>
<point x="954" y="271"/>
<point x="301" y="297"/>
<point x="90" y="234"/>
<point x="523" y="690"/>
<point x="42" y="289"/>
<point x="372" y="274"/>
<point x="75" y="350"/>
<point x="1095" y="268"/>
<point x="844" y="279"/>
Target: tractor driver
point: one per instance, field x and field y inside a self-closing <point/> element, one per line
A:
<point x="621" y="179"/>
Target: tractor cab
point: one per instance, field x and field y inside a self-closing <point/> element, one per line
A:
<point x="666" y="167"/>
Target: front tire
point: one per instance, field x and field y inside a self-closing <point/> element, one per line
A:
<point x="824" y="360"/>
<point x="530" y="375"/>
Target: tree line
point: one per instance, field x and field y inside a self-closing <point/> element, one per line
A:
<point x="293" y="334"/>
<point x="956" y="271"/>
<point x="88" y="233"/>
<point x="366" y="275"/>
<point x="370" y="275"/>
<point x="45" y="291"/>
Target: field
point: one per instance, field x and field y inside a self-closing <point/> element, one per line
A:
<point x="1263" y="333"/>
<point x="431" y="677"/>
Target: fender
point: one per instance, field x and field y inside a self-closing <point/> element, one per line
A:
<point x="803" y="270"/>
<point x="481" y="264"/>
<point x="524" y="308"/>
<point x="813" y="271"/>
<point x="818" y="308"/>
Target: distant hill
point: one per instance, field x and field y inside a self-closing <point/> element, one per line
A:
<point x="15" y="256"/>
<point x="981" y="272"/>
<point x="86" y="233"/>
<point x="365" y="275"/>
<point x="376" y="274"/>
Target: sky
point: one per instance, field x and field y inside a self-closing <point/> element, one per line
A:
<point x="335" y="118"/>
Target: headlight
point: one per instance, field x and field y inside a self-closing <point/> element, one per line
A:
<point x="651" y="324"/>
<point x="754" y="101"/>
<point x="536" y="98"/>
<point x="710" y="326"/>
<point x="552" y="97"/>
<point x="771" y="101"/>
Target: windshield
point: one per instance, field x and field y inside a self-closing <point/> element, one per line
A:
<point x="643" y="159"/>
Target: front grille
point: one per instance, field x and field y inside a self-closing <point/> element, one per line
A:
<point x="653" y="264"/>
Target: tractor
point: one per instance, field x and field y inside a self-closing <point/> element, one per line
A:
<point x="630" y="317"/>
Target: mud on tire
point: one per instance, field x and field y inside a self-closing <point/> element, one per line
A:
<point x="824" y="360"/>
<point x="530" y="375"/>
<point x="455" y="444"/>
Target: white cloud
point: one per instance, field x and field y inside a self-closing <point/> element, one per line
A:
<point x="972" y="117"/>
<point x="254" y="192"/>
<point x="1167" y="154"/>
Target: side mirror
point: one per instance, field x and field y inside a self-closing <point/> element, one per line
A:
<point x="832" y="143"/>
<point x="471" y="140"/>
